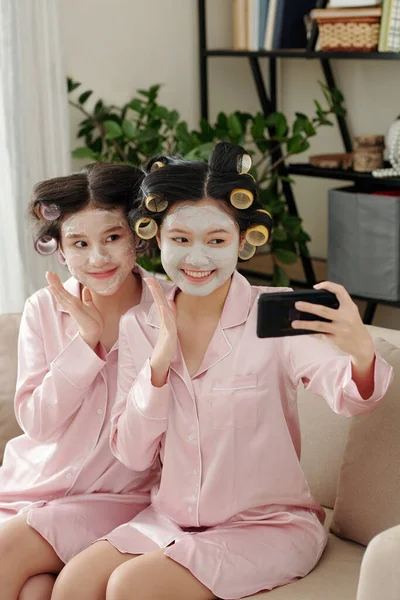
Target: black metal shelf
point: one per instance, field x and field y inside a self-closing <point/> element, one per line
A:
<point x="307" y="170"/>
<point x="269" y="103"/>
<point x="293" y="53"/>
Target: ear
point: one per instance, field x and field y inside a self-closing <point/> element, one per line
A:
<point x="242" y="240"/>
<point x="158" y="238"/>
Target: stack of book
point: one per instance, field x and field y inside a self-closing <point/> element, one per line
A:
<point x="354" y="3"/>
<point x="270" y="24"/>
<point x="389" y="39"/>
<point x="280" y="24"/>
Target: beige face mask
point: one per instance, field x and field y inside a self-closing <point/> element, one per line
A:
<point x="99" y="249"/>
<point x="208" y="258"/>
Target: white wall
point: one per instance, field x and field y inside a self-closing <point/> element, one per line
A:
<point x="117" y="46"/>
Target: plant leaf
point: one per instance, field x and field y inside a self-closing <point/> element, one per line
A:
<point x="83" y="97"/>
<point x="136" y="105"/>
<point x="280" y="279"/>
<point x="279" y="235"/>
<point x="234" y="125"/>
<point x="113" y="129"/>
<point x="297" y="144"/>
<point x="286" y="256"/>
<point x="72" y="85"/>
<point x="83" y="152"/>
<point x="128" y="129"/>
<point x="278" y="122"/>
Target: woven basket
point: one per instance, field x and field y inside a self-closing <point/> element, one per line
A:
<point x="349" y="35"/>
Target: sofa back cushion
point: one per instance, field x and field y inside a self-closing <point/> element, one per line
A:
<point x="9" y="326"/>
<point x="324" y="436"/>
<point x="368" y="494"/>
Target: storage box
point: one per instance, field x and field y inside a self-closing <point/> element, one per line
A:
<point x="348" y="30"/>
<point x="364" y="243"/>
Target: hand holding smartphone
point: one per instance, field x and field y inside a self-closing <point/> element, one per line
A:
<point x="277" y="310"/>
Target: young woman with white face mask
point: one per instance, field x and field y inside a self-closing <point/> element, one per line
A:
<point x="60" y="485"/>
<point x="232" y="514"/>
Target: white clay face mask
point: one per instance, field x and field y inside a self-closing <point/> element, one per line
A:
<point x="99" y="249"/>
<point x="199" y="248"/>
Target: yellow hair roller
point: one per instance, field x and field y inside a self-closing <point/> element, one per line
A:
<point x="155" y="204"/>
<point x="241" y="199"/>
<point x="157" y="165"/>
<point x="146" y="228"/>
<point x="257" y="235"/>
<point x="243" y="164"/>
<point x="265" y="212"/>
<point x="248" y="251"/>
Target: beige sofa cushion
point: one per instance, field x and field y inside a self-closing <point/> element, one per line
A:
<point x="368" y="495"/>
<point x="324" y="436"/>
<point x="334" y="578"/>
<point x="9" y="326"/>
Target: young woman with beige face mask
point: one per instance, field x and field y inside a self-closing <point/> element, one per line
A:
<point x="60" y="485"/>
<point x="197" y="389"/>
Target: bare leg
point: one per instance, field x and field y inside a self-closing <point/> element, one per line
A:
<point x="155" y="576"/>
<point x="38" y="588"/>
<point x="23" y="554"/>
<point x="85" y="577"/>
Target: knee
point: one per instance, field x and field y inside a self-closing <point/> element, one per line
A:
<point x="39" y="587"/>
<point x="120" y="585"/>
<point x="72" y="582"/>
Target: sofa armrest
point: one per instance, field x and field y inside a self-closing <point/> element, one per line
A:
<point x="380" y="569"/>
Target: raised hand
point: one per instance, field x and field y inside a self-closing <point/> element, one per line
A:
<point x="346" y="331"/>
<point x="84" y="312"/>
<point x="166" y="346"/>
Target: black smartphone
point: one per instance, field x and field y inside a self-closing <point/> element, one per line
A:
<point x="276" y="311"/>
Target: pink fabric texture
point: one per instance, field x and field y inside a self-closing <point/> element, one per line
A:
<point x="61" y="470"/>
<point x="233" y="504"/>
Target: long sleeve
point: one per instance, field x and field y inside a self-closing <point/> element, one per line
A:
<point x="49" y="395"/>
<point x="326" y="372"/>
<point x="141" y="411"/>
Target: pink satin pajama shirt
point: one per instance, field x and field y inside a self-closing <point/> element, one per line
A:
<point x="233" y="505"/>
<point x="61" y="471"/>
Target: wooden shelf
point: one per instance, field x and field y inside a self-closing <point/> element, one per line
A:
<point x="307" y="170"/>
<point x="293" y="53"/>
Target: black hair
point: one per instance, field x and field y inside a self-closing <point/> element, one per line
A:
<point x="102" y="185"/>
<point x="182" y="180"/>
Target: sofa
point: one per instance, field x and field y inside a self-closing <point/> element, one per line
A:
<point x="353" y="468"/>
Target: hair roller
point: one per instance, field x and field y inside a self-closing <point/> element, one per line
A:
<point x="46" y="245"/>
<point x="241" y="198"/>
<point x="257" y="235"/>
<point x="157" y="165"/>
<point x="262" y="210"/>
<point x="50" y="212"/>
<point x="243" y="164"/>
<point x="155" y="203"/>
<point x="248" y="251"/>
<point x="146" y="228"/>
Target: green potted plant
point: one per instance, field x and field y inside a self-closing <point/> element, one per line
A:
<point x="142" y="127"/>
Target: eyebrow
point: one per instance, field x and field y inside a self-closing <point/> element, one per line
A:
<point x="177" y="230"/>
<point x="83" y="235"/>
<point x="212" y="232"/>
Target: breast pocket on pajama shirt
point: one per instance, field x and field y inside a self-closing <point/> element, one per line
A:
<point x="234" y="402"/>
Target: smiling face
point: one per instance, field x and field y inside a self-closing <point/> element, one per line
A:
<point x="99" y="249"/>
<point x="199" y="247"/>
